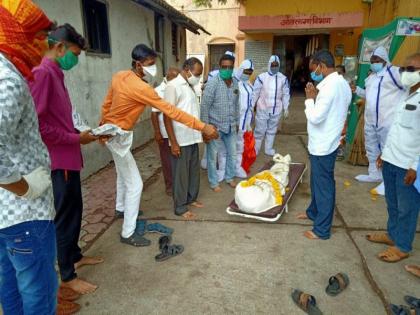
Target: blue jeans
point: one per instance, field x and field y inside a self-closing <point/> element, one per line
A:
<point x="28" y="280"/>
<point x="229" y="140"/>
<point x="321" y="209"/>
<point x="403" y="204"/>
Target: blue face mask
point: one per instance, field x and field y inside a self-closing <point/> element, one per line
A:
<point x="316" y="77"/>
<point x="275" y="70"/>
<point x="244" y="77"/>
<point x="376" y="67"/>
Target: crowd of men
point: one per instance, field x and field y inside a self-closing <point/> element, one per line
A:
<point x="41" y="160"/>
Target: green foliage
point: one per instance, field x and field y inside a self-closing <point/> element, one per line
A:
<point x="207" y="3"/>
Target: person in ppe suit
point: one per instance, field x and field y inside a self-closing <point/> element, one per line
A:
<point x="271" y="95"/>
<point x="246" y="115"/>
<point x="383" y="91"/>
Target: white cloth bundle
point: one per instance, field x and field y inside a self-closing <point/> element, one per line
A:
<point x="260" y="197"/>
<point x="121" y="140"/>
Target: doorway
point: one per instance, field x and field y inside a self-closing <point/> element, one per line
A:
<point x="294" y="52"/>
<point x="216" y="51"/>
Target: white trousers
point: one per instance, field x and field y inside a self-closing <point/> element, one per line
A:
<point x="266" y="125"/>
<point x="375" y="138"/>
<point x="129" y="189"/>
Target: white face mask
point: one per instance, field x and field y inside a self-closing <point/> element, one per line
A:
<point x="409" y="79"/>
<point x="149" y="73"/>
<point x="193" y="80"/>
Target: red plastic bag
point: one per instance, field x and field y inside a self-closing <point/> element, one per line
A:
<point x="249" y="155"/>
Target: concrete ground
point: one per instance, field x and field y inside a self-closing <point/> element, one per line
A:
<point x="233" y="265"/>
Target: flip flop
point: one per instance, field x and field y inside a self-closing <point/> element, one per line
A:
<point x="163" y="241"/>
<point x="403" y="310"/>
<point x="412" y="301"/>
<point x="168" y="251"/>
<point x="306" y="302"/>
<point x="159" y="228"/>
<point x="337" y="284"/>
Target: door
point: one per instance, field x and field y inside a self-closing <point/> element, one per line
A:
<point x="216" y="51"/>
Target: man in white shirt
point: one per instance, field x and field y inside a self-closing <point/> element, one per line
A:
<point x="383" y="92"/>
<point x="161" y="136"/>
<point x="183" y="140"/>
<point x="326" y="113"/>
<point x="399" y="162"/>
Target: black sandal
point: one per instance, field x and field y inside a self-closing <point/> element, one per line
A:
<point x="168" y="250"/>
<point x="337" y="284"/>
<point x="306" y="302"/>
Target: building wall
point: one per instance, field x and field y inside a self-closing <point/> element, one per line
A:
<point x="220" y="20"/>
<point x="129" y="24"/>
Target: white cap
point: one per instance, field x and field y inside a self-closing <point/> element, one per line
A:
<point x="382" y="53"/>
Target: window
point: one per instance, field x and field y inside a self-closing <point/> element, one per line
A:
<point x="174" y="31"/>
<point x="95" y="15"/>
<point x="159" y="25"/>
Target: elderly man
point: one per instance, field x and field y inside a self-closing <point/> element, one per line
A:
<point x="28" y="281"/>
<point x="326" y="113"/>
<point x="127" y="98"/>
<point x="271" y="95"/>
<point x="383" y="91"/>
<point x="184" y="141"/>
<point x="399" y="162"/>
<point x="220" y="107"/>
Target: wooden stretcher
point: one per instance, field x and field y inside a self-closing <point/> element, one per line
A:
<point x="296" y="172"/>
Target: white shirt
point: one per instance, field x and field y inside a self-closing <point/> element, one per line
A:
<point x="402" y="147"/>
<point x="327" y="115"/>
<point x="160" y="90"/>
<point x="383" y="92"/>
<point x="182" y="95"/>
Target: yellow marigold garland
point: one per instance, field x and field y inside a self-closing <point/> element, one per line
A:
<point x="266" y="175"/>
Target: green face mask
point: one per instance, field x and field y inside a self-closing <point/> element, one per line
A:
<point x="226" y="74"/>
<point x="68" y="61"/>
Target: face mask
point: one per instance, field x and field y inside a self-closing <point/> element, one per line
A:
<point x="244" y="77"/>
<point x="226" y="74"/>
<point x="68" y="61"/>
<point x="193" y="80"/>
<point x="317" y="77"/>
<point x="409" y="79"/>
<point x="376" y="67"/>
<point x="149" y="73"/>
<point x="275" y="70"/>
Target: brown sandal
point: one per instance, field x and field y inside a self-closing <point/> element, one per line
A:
<point x="392" y="255"/>
<point x="381" y="238"/>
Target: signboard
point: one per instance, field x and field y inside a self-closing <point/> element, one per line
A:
<point x="408" y="27"/>
<point x="369" y="45"/>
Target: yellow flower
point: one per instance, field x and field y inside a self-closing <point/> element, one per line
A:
<point x="266" y="175"/>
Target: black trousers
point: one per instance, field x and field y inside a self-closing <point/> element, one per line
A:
<point x="185" y="178"/>
<point x="68" y="219"/>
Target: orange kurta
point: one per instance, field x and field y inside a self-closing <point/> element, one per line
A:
<point x="127" y="98"/>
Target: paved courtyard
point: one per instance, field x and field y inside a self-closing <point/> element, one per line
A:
<point x="240" y="266"/>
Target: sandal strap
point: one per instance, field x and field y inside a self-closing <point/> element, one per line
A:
<point x="341" y="280"/>
<point x="305" y="299"/>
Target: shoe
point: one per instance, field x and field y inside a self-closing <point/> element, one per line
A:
<point x="136" y="240"/>
<point x="368" y="179"/>
<point x="66" y="307"/>
<point x="67" y="294"/>
<point x="378" y="190"/>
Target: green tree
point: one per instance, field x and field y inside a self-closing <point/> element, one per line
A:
<point x="207" y="3"/>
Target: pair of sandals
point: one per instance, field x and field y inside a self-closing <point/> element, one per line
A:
<point x="392" y="254"/>
<point x="168" y="250"/>
<point x="412" y="309"/>
<point x="307" y="302"/>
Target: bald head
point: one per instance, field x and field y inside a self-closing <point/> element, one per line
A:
<point x="172" y="73"/>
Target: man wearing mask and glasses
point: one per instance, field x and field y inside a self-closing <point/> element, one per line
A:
<point x="271" y="96"/>
<point x="399" y="162"/>
<point x="383" y="91"/>
<point x="127" y="98"/>
<point x="220" y="107"/>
